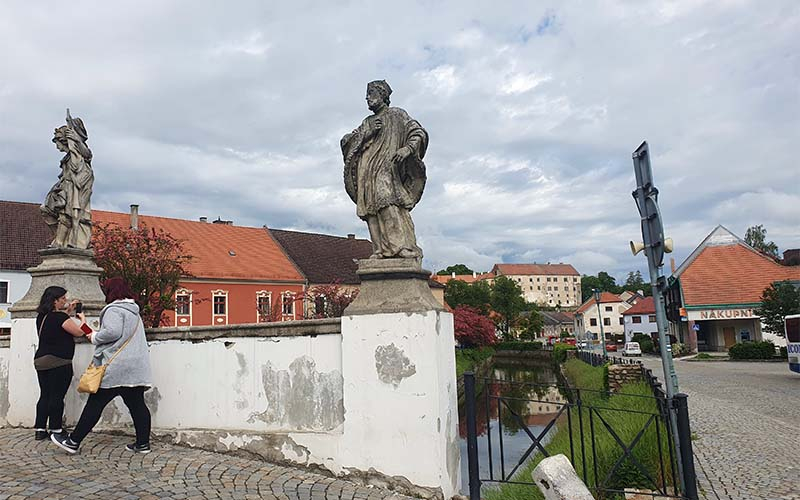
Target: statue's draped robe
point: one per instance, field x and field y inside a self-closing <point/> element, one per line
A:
<point x="67" y="207"/>
<point x="385" y="191"/>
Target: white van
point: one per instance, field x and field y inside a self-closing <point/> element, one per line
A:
<point x="632" y="349"/>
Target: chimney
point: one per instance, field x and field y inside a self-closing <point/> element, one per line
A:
<point x="474" y="274"/>
<point x="351" y="236"/>
<point x="791" y="257"/>
<point x="223" y="222"/>
<point x="134" y="217"/>
<point x="204" y="219"/>
<point x="453" y="274"/>
<point x="672" y="264"/>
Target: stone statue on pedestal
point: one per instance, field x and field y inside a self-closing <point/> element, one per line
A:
<point x="384" y="173"/>
<point x="68" y="262"/>
<point x="385" y="176"/>
<point x="67" y="207"/>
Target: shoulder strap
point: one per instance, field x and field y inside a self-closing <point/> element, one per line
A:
<point x="126" y="342"/>
<point x="42" y="325"/>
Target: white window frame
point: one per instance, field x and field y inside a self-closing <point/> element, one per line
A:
<point x="214" y="316"/>
<point x="259" y="295"/>
<point x="188" y="293"/>
<point x="283" y="301"/>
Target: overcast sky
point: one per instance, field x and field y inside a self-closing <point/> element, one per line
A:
<point x="235" y="109"/>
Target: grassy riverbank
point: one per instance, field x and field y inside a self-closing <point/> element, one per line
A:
<point x="606" y="451"/>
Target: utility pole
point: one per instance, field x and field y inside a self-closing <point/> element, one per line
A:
<point x="654" y="246"/>
<point x="597" y="295"/>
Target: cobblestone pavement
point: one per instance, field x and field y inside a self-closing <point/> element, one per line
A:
<point x="104" y="470"/>
<point x="746" y="418"/>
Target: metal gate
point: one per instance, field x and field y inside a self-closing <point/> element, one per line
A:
<point x="614" y="441"/>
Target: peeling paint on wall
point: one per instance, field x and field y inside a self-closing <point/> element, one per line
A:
<point x="151" y="399"/>
<point x="453" y="452"/>
<point x="278" y="448"/>
<point x="301" y="397"/>
<point x="242" y="371"/>
<point x="392" y="364"/>
<point x="4" y="404"/>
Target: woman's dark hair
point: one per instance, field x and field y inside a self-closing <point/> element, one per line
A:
<point x="116" y="289"/>
<point x="49" y="297"/>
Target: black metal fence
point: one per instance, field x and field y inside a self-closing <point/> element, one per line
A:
<point x="597" y="359"/>
<point x="612" y="446"/>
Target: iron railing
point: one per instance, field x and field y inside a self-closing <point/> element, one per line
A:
<point x="591" y="420"/>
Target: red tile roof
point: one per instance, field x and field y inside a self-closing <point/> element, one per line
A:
<point x="257" y="256"/>
<point x="22" y="233"/>
<point x="643" y="306"/>
<point x="467" y="278"/>
<point x="731" y="274"/>
<point x="605" y="298"/>
<point x="535" y="269"/>
<point x="324" y="258"/>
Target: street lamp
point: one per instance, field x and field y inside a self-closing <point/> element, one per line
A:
<point x="597" y="294"/>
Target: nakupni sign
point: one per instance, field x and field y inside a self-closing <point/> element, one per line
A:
<point x="706" y="314"/>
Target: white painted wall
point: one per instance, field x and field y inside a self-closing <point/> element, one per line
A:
<point x="18" y="284"/>
<point x="645" y="327"/>
<point x="311" y="400"/>
<point x="5" y="354"/>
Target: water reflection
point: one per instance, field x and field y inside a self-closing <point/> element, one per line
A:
<point x="534" y="401"/>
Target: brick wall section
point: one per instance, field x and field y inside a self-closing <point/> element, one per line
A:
<point x="623" y="374"/>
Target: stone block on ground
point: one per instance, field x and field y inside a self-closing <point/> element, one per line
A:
<point x="556" y="479"/>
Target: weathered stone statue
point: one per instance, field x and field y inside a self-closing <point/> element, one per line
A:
<point x="67" y="207"/>
<point x="384" y="173"/>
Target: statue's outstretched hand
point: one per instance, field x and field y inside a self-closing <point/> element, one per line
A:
<point x="401" y="154"/>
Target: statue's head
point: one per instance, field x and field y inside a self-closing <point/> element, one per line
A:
<point x="60" y="138"/>
<point x="378" y="93"/>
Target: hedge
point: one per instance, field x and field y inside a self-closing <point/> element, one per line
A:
<point x="752" y="350"/>
<point x="518" y="346"/>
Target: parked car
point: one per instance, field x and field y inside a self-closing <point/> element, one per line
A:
<point x="569" y="340"/>
<point x="632" y="349"/>
<point x="582" y="344"/>
<point x="611" y="347"/>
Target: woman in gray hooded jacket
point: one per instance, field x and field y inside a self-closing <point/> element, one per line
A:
<point x="127" y="376"/>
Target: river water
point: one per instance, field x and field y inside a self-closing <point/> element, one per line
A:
<point x="537" y="402"/>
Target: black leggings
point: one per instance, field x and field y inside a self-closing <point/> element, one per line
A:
<point x="53" y="385"/>
<point x="133" y="397"/>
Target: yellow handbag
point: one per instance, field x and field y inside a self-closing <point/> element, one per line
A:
<point x="89" y="382"/>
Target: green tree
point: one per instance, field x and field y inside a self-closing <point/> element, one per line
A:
<point x="756" y="237"/>
<point x="460" y="293"/>
<point x="151" y="261"/>
<point x="530" y="326"/>
<point x="777" y="301"/>
<point x="604" y="281"/>
<point x="459" y="269"/>
<point x="634" y="282"/>
<point x="507" y="303"/>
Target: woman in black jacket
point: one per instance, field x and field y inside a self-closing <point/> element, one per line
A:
<point x="53" y="358"/>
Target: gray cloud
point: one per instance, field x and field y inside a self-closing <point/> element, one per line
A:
<point x="236" y="110"/>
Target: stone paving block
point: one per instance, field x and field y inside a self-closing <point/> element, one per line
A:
<point x="103" y="469"/>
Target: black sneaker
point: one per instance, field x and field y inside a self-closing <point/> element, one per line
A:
<point x="41" y="435"/>
<point x="65" y="443"/>
<point x="138" y="448"/>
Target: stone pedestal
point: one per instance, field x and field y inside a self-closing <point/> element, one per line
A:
<point x="398" y="364"/>
<point x="70" y="268"/>
<point x="76" y="271"/>
<point x="392" y="286"/>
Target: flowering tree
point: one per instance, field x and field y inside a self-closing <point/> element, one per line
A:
<point x="151" y="262"/>
<point x="328" y="301"/>
<point x="472" y="329"/>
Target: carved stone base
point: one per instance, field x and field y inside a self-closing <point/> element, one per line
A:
<point x="70" y="268"/>
<point x="392" y="286"/>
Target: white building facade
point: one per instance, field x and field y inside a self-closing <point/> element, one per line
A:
<point x="544" y="284"/>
